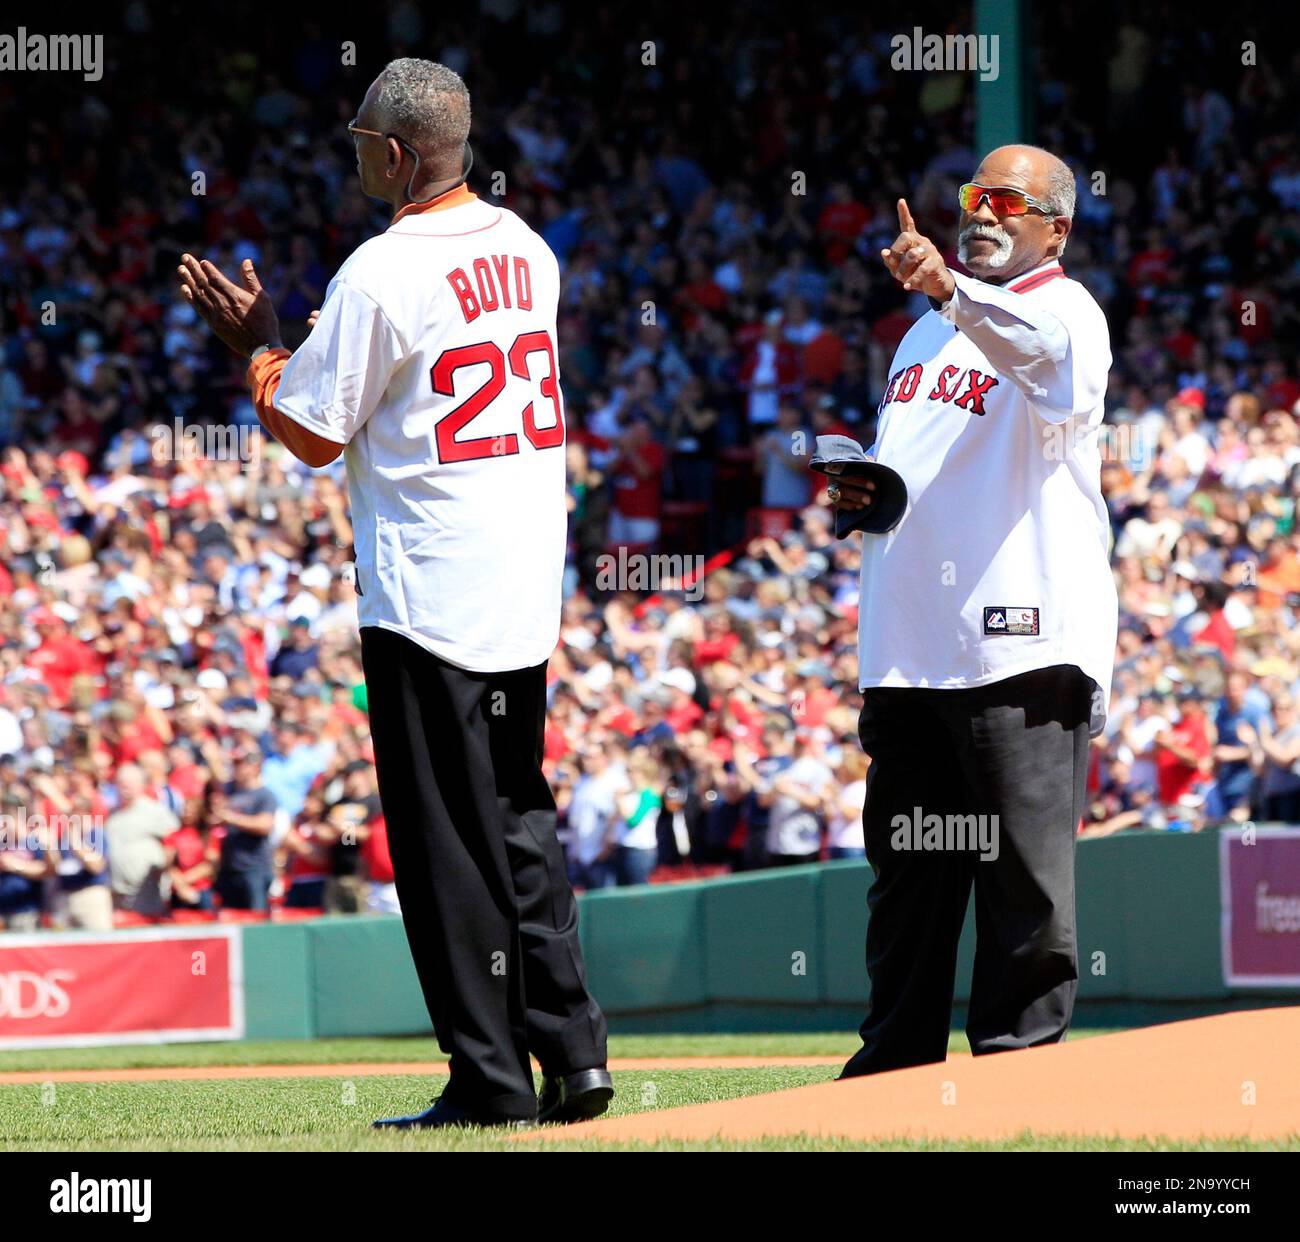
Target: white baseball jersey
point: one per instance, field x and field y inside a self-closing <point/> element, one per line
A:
<point x="1001" y="562"/>
<point x="434" y="360"/>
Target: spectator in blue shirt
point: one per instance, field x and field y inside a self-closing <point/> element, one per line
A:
<point x="299" y="655"/>
<point x="22" y="882"/>
<point x="247" y="811"/>
<point x="1233" y="773"/>
<point x="289" y="771"/>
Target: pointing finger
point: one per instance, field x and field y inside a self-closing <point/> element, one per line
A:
<point x="905" y="217"/>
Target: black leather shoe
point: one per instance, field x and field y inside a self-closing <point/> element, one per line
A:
<point x="574" y="1097"/>
<point x="444" y="1113"/>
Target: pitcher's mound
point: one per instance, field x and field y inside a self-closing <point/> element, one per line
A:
<point x="1235" y="1075"/>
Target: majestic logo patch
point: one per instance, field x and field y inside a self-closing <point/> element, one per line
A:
<point x="1003" y="620"/>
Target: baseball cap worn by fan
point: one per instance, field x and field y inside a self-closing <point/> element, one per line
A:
<point x="678" y="679"/>
<point x="211" y="679"/>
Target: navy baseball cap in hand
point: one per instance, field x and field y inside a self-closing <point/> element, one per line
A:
<point x="839" y="456"/>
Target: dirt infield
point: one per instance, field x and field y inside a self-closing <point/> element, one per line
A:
<point x="368" y="1069"/>
<point x="1230" y="1076"/>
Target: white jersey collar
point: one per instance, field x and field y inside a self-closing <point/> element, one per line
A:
<point x="1035" y="277"/>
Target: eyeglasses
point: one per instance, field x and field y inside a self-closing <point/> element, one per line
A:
<point x="1003" y="200"/>
<point x="354" y="129"/>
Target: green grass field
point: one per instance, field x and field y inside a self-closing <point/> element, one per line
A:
<point x="343" y="1051"/>
<point x="333" y="1113"/>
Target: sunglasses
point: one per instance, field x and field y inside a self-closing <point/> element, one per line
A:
<point x="1002" y="200"/>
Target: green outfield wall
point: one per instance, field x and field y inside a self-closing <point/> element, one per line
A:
<point x="776" y="950"/>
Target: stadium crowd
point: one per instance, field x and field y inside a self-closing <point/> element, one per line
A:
<point x="180" y="683"/>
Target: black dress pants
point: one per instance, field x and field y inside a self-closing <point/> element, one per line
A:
<point x="1012" y="756"/>
<point x="489" y="913"/>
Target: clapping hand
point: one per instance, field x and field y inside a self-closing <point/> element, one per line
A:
<point x="240" y="314"/>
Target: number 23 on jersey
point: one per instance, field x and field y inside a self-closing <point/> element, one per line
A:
<point x="452" y="446"/>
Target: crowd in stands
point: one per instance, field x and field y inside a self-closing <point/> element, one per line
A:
<point x="179" y="665"/>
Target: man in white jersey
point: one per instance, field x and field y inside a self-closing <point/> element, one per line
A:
<point x="433" y="363"/>
<point x="987" y="624"/>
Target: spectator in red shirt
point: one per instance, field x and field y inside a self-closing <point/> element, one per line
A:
<point x="308" y="856"/>
<point x="823" y="358"/>
<point x="1183" y="752"/>
<point x="59" y="657"/>
<point x="638" y="487"/>
<point x="827" y="420"/>
<point x="701" y="293"/>
<point x="1281" y="390"/>
<point x="618" y="717"/>
<point x="381" y="890"/>
<point x="193" y="860"/>
<point x="813" y="697"/>
<point x="1217" y="630"/>
<point x="683" y="713"/>
<point x="1150" y="266"/>
<point x="134" y="727"/>
<point x="719" y="638"/>
<point x="841" y="223"/>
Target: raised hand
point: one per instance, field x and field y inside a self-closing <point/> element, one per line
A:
<point x="241" y="315"/>
<point x="914" y="260"/>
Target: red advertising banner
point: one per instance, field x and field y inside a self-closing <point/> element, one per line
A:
<point x="157" y="985"/>
<point x="1260" y="907"/>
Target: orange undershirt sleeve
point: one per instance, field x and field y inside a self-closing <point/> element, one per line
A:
<point x="263" y="379"/>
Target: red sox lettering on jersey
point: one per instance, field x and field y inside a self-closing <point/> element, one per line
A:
<point x="1000" y="564"/>
<point x="434" y="361"/>
<point x="966" y="388"/>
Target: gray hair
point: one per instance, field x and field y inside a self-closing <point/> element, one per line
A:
<point x="1060" y="189"/>
<point x="1059" y="198"/>
<point x="424" y="103"/>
